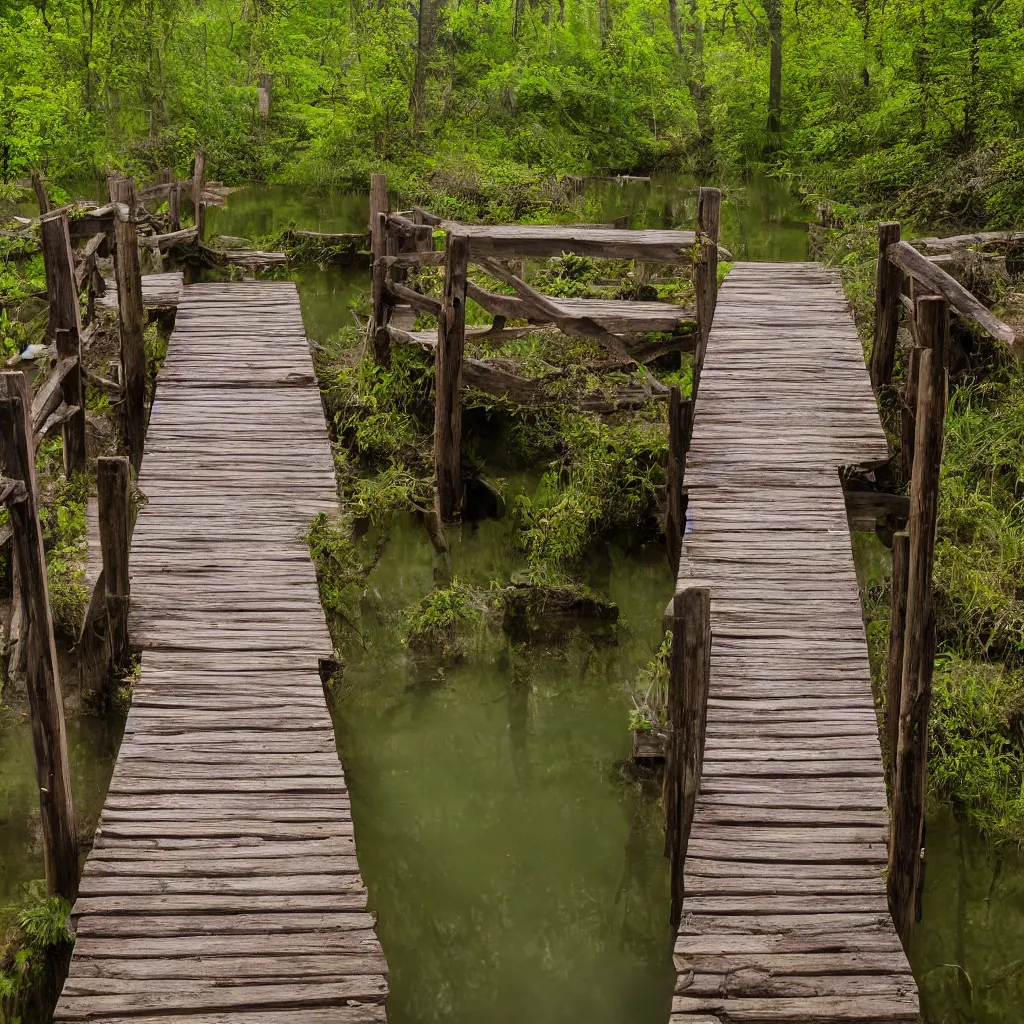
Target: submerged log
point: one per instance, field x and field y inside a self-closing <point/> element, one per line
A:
<point x="541" y="614"/>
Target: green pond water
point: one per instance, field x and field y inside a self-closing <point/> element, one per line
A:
<point x="513" y="860"/>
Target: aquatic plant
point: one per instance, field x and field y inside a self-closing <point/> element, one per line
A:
<point x="340" y="572"/>
<point x="438" y="624"/>
<point x="64" y="537"/>
<point x="34" y="938"/>
<point x="608" y="478"/>
<point x="650" y="690"/>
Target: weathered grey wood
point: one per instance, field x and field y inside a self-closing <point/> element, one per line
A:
<point x="174" y="207"/>
<point x="705" y="269"/>
<point x="888" y="282"/>
<point x="905" y="855"/>
<point x="674" y="482"/>
<point x="64" y="327"/>
<point x="507" y="240"/>
<point x="689" y="675"/>
<point x="42" y="199"/>
<point x="113" y="487"/>
<point x="227" y="830"/>
<point x="954" y="243"/>
<point x="451" y="340"/>
<point x="263" y="98"/>
<point x="198" y="206"/>
<point x="935" y="279"/>
<point x="897" y="625"/>
<point x="46" y="709"/>
<point x="787" y="851"/>
<point x="131" y="320"/>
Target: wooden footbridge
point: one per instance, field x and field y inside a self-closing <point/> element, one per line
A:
<point x="223" y="884"/>
<point x="223" y="879"/>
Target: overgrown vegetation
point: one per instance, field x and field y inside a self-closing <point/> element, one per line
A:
<point x="34" y="938"/>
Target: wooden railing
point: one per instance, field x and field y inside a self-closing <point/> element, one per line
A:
<point x="902" y="275"/>
<point x="405" y="240"/>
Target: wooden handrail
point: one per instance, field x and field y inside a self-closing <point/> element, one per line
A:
<point x="951" y="243"/>
<point x="909" y="260"/>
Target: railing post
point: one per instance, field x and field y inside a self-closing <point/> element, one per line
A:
<point x="451" y="331"/>
<point x="131" y="319"/>
<point x="65" y="328"/>
<point x="689" y="681"/>
<point x="46" y="710"/>
<point x="679" y="415"/>
<point x="897" y="626"/>
<point x="888" y="283"/>
<point x="198" y="169"/>
<point x="113" y="486"/>
<point x="174" y="207"/>
<point x="907" y="834"/>
<point x="705" y="271"/>
<point x="381" y="342"/>
<point x="39" y="187"/>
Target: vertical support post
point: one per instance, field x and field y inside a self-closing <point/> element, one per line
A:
<point x="705" y="271"/>
<point x="907" y="834"/>
<point x="46" y="710"/>
<point x="113" y="486"/>
<point x="65" y="328"/>
<point x="263" y="102"/>
<point x="897" y="625"/>
<point x="908" y="411"/>
<point x="131" y="320"/>
<point x="174" y="207"/>
<point x="888" y="284"/>
<point x="198" y="205"/>
<point x="678" y="413"/>
<point x="451" y="339"/>
<point x="689" y="681"/>
<point x="40" y="190"/>
<point x="378" y="285"/>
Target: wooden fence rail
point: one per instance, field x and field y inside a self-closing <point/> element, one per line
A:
<point x="899" y="263"/>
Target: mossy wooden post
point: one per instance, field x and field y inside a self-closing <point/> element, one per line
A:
<point x="46" y="710"/>
<point x="677" y="415"/>
<point x="897" y="625"/>
<point x="113" y="486"/>
<point x="888" y="284"/>
<point x="689" y="681"/>
<point x="907" y="834"/>
<point x="131" y="320"/>
<point x="705" y="270"/>
<point x="64" y="327"/>
<point x="198" y="170"/>
<point x="42" y="198"/>
<point x="451" y="338"/>
<point x="381" y="342"/>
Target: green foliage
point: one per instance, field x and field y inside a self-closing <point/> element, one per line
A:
<point x="437" y="626"/>
<point x="64" y="538"/>
<point x="650" y="690"/>
<point x="607" y="479"/>
<point x="340" y="572"/>
<point x="33" y="932"/>
<point x="976" y="756"/>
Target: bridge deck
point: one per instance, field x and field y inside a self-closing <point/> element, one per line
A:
<point x="224" y="884"/>
<point x="785" y="915"/>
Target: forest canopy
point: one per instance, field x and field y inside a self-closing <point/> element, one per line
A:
<point x="864" y="97"/>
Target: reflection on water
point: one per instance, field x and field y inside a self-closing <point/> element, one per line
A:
<point x="761" y="218"/>
<point x="92" y="749"/>
<point x="266" y="209"/>
<point x="968" y="950"/>
<point x="517" y="875"/>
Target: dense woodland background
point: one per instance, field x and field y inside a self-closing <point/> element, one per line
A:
<point x="915" y="106"/>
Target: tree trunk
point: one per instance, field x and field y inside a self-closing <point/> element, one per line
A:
<point x="773" y="10"/>
<point x="424" y="54"/>
<point x="673" y="17"/>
